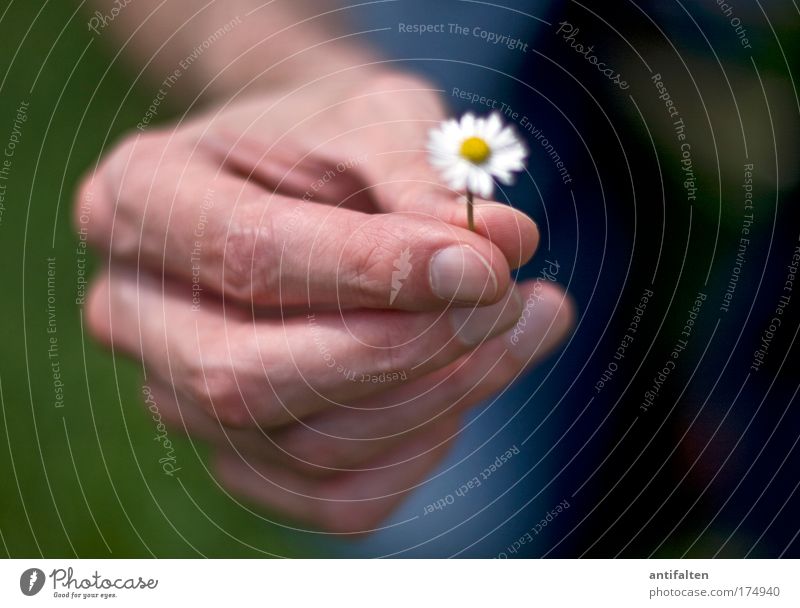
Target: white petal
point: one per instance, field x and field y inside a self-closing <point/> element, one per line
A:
<point x="467" y="125"/>
<point x="440" y="152"/>
<point x="456" y="176"/>
<point x="508" y="153"/>
<point x="441" y="138"/>
<point x="504" y="176"/>
<point x="452" y="131"/>
<point x="479" y="182"/>
<point x="439" y="148"/>
<point x="493" y="127"/>
<point x="450" y="124"/>
<point x="505" y="138"/>
<point x="486" y="186"/>
<point x="437" y="144"/>
<point x="480" y="128"/>
<point x="442" y="162"/>
<point x="511" y="156"/>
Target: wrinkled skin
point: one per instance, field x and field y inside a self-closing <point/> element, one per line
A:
<point x="256" y="292"/>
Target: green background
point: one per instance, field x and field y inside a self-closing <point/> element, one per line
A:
<point x="83" y="480"/>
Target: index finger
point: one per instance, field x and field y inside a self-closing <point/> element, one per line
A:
<point x="163" y="205"/>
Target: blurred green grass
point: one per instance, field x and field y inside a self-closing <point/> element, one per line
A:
<point x="84" y="479"/>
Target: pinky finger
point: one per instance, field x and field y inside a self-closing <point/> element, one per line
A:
<point x="352" y="503"/>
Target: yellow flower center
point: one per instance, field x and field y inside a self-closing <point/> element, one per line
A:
<point x="475" y="150"/>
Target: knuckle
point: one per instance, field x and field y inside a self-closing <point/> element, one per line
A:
<point x="371" y="255"/>
<point x="388" y="357"/>
<point x="84" y="203"/>
<point x="100" y="203"/>
<point x="384" y="342"/>
<point x="92" y="212"/>
<point x="230" y="385"/>
<point x="369" y="271"/>
<point x="132" y="151"/>
<point x="342" y="516"/>
<point x="426" y="96"/>
<point x="318" y="452"/>
<point x="213" y="386"/>
<point x="98" y="322"/>
<point x="249" y="238"/>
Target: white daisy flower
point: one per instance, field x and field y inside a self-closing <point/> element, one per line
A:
<point x="473" y="152"/>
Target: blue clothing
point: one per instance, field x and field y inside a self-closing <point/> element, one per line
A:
<point x="469" y="507"/>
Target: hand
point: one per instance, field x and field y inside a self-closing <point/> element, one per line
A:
<point x="305" y="296"/>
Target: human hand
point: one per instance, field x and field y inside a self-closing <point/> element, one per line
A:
<point x="259" y="294"/>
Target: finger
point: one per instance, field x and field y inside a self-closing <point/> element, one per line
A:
<point x="270" y="371"/>
<point x="159" y="203"/>
<point x="397" y="171"/>
<point x="346" y="438"/>
<point x="320" y="457"/>
<point x="350" y="503"/>
<point x="547" y="319"/>
<point x="282" y="167"/>
<point x="405" y="182"/>
<point x="395" y="180"/>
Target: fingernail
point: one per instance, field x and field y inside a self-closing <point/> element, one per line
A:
<point x="541" y="326"/>
<point x="474" y="325"/>
<point x="460" y="273"/>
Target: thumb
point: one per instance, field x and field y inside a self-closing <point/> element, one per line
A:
<point x="403" y="180"/>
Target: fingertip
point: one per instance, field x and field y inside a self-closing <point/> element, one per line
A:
<point x="92" y="216"/>
<point x="514" y="232"/>
<point x="97" y="310"/>
<point x="548" y="316"/>
<point x="469" y="272"/>
<point x="474" y="326"/>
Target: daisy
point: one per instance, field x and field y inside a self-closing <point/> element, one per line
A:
<point x="471" y="153"/>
